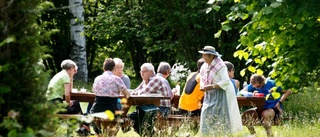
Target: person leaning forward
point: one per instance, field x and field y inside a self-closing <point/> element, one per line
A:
<point x="274" y="95"/>
<point x="60" y="87"/>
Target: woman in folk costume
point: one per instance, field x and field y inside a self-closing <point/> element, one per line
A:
<point x="220" y="112"/>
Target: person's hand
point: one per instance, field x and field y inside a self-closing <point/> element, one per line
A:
<point x="134" y="93"/>
<point x="208" y="87"/>
<point x="174" y="91"/>
<point x="71" y="103"/>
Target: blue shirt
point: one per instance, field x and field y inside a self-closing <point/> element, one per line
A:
<point x="233" y="81"/>
<point x="265" y="90"/>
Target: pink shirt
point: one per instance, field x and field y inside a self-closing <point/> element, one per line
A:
<point x="108" y="85"/>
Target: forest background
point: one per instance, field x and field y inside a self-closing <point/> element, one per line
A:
<point x="277" y="38"/>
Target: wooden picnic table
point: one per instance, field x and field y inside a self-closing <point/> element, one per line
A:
<point x="134" y="100"/>
<point x="242" y="101"/>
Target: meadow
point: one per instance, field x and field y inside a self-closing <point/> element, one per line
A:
<point x="302" y="113"/>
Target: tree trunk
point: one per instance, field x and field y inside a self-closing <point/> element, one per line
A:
<point x="78" y="41"/>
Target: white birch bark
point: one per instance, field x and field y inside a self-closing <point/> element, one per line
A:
<point x="78" y="41"/>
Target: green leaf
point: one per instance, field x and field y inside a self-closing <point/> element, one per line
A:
<point x="243" y="16"/>
<point x="264" y="59"/>
<point x="292" y="42"/>
<point x="13" y="133"/>
<point x="252" y="69"/>
<point x="259" y="71"/>
<point x="246" y="55"/>
<point x="8" y="40"/>
<point x="236" y="54"/>
<point x="218" y="34"/>
<point x="267" y="10"/>
<point x="275" y="4"/>
<point x="300" y="26"/>
<point x="260" y="46"/>
<point x="257" y="60"/>
<point x="293" y="78"/>
<point x="243" y="72"/>
<point x="216" y="7"/>
<point x="226" y="27"/>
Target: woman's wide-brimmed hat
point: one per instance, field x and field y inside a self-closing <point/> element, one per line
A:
<point x="209" y="50"/>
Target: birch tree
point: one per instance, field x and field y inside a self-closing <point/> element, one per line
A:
<point x="78" y="41"/>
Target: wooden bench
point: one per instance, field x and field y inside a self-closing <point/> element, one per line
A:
<point x="65" y="116"/>
<point x="111" y="127"/>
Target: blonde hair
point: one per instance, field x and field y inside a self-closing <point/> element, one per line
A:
<point x="118" y="61"/>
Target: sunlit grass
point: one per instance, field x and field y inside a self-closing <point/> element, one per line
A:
<point x="303" y="109"/>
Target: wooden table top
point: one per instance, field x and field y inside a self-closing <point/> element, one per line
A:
<point x="242" y="101"/>
<point x="134" y="100"/>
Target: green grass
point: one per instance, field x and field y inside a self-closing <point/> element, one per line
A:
<point x="302" y="107"/>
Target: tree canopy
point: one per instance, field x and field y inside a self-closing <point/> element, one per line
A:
<point x="280" y="39"/>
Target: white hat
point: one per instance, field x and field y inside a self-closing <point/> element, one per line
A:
<point x="209" y="50"/>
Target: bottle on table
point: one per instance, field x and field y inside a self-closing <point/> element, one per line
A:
<point x="178" y="88"/>
<point x="245" y="84"/>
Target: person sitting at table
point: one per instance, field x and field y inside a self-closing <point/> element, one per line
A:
<point x="151" y="83"/>
<point x="107" y="88"/>
<point x="235" y="82"/>
<point x="60" y="87"/>
<point x="191" y="98"/>
<point x="118" y="71"/>
<point x="163" y="71"/>
<point x="273" y="105"/>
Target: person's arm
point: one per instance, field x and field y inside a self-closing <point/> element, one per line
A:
<point x="237" y="84"/>
<point x="285" y="95"/>
<point x="138" y="89"/>
<point x="152" y="86"/>
<point x="223" y="82"/>
<point x="211" y="86"/>
<point x="126" y="93"/>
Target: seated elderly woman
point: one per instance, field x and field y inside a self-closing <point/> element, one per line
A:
<point x="107" y="88"/>
<point x="60" y="87"/>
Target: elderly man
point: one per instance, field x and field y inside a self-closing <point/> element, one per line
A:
<point x="151" y="83"/>
<point x="163" y="71"/>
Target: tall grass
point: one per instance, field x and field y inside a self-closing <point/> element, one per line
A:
<point x="302" y="110"/>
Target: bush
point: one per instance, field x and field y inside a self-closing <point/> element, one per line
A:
<point x="23" y="107"/>
<point x="304" y="105"/>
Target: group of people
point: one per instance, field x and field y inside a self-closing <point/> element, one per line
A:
<point x="210" y="92"/>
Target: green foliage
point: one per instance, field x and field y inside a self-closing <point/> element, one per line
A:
<point x="280" y="38"/>
<point x="154" y="31"/>
<point x="302" y="105"/>
<point x="23" y="107"/>
<point x="56" y="19"/>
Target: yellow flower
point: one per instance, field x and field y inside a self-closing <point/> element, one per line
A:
<point x="124" y="101"/>
<point x="109" y="114"/>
